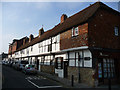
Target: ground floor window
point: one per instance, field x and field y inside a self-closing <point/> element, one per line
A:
<point x="106" y="68"/>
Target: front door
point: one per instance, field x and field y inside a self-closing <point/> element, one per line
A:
<point x="106" y="70"/>
<point x="65" y="69"/>
<point x="37" y="64"/>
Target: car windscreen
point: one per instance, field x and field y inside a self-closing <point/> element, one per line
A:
<point x="24" y="62"/>
<point x="32" y="66"/>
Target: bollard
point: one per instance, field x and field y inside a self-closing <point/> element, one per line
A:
<point x="109" y="84"/>
<point x="72" y="80"/>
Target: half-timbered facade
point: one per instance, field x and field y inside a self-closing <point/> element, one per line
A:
<point x="85" y="45"/>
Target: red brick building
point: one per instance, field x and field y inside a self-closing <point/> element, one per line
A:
<point x="17" y="44"/>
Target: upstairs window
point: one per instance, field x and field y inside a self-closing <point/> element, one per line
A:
<point x="23" y="52"/>
<point x="31" y="48"/>
<point x="49" y="47"/>
<point x="27" y="51"/>
<point x="116" y="30"/>
<point x="74" y="31"/>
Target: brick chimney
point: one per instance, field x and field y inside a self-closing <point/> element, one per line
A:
<point x="41" y="31"/>
<point x="31" y="37"/>
<point x="63" y="18"/>
<point x="25" y="40"/>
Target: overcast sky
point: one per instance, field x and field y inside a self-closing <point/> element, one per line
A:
<point x="21" y="19"/>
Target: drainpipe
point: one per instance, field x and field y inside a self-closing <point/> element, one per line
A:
<point x="79" y="59"/>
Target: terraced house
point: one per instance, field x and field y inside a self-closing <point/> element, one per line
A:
<point x="86" y="45"/>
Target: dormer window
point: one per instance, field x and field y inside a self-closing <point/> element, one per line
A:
<point x="74" y="31"/>
<point x="116" y="30"/>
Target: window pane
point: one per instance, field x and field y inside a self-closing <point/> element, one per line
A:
<point x="105" y="75"/>
<point x="104" y="60"/>
<point x="105" y="69"/>
<point x="100" y="75"/>
<point x="116" y="31"/>
<point x="108" y="74"/>
<point x="105" y="65"/>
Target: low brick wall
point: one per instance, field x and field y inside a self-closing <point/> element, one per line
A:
<point x="86" y="75"/>
<point x="48" y="69"/>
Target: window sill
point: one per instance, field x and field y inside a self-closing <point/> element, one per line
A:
<point x="74" y="36"/>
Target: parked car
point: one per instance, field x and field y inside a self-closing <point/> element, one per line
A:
<point x="21" y="64"/>
<point x="30" y="69"/>
<point x="14" y="64"/>
<point x="4" y="62"/>
<point x="10" y="63"/>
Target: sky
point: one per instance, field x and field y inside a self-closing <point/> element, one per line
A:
<point x="20" y="19"/>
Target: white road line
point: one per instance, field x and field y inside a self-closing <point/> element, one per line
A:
<point x="50" y="86"/>
<point x="42" y="86"/>
<point x="33" y="84"/>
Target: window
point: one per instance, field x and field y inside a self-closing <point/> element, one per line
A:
<point x="20" y="52"/>
<point x="42" y="59"/>
<point x="106" y="68"/>
<point x="116" y="30"/>
<point x="31" y="48"/>
<point x="39" y="46"/>
<point x="27" y="51"/>
<point x="109" y="69"/>
<point x="49" y="47"/>
<point x="59" y="63"/>
<point x="74" y="31"/>
<point x="23" y="52"/>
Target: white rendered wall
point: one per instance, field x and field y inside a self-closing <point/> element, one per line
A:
<point x="37" y="51"/>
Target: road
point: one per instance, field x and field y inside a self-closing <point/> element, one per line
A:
<point x="17" y="79"/>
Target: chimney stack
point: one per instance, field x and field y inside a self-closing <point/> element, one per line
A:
<point x="31" y="37"/>
<point x="41" y="31"/>
<point x="63" y="18"/>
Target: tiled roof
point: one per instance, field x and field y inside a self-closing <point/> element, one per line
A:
<point x="77" y="19"/>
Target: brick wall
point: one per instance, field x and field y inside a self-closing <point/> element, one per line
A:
<point x="101" y="30"/>
<point x="14" y="47"/>
<point x="86" y="75"/>
<point x="67" y="41"/>
<point x="19" y="43"/>
<point x="48" y="69"/>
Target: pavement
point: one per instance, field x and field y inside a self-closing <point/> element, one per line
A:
<point x="67" y="83"/>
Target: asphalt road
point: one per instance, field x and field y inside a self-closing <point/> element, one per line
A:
<point x="17" y="79"/>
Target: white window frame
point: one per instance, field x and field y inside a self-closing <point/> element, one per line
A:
<point x="75" y="31"/>
<point x="116" y="30"/>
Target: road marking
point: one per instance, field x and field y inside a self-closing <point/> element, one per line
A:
<point x="42" y="86"/>
<point x="50" y="86"/>
<point x="33" y="83"/>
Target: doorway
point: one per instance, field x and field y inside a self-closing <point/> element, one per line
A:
<point x="37" y="64"/>
<point x="65" y="69"/>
